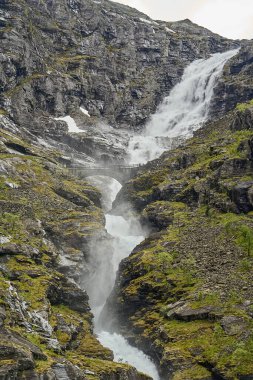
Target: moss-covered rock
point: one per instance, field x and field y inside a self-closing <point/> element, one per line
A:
<point x="47" y="216"/>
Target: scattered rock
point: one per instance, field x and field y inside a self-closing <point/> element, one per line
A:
<point x="186" y="313"/>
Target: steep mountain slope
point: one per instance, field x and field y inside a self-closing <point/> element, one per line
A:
<point x="185" y="294"/>
<point x="48" y="220"/>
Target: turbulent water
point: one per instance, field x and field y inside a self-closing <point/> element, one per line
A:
<point x="125" y="353"/>
<point x="102" y="278"/>
<point x="182" y="112"/>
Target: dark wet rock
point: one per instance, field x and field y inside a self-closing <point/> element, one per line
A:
<point x="235" y="167"/>
<point x="15" y="249"/>
<point x="67" y="371"/>
<point x="67" y="293"/>
<point x="158" y="214"/>
<point x="242" y="195"/>
<point x="9" y="249"/>
<point x="2" y="315"/>
<point x="17" y="348"/>
<point x="243" y="120"/>
<point x="73" y="197"/>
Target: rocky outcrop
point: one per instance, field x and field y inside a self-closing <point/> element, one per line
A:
<point x="185" y="294"/>
<point x="235" y="85"/>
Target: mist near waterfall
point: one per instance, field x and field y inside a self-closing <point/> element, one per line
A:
<point x="182" y="112"/>
<point x="107" y="251"/>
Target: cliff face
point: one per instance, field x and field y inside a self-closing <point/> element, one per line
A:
<point x="108" y="58"/>
<point x="185" y="293"/>
<point x="235" y="85"/>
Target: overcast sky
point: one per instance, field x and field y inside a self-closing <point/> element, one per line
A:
<point x="229" y="18"/>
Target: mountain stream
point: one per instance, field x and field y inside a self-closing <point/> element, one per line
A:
<point x="182" y="112"/>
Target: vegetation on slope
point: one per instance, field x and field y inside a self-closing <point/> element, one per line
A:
<point x="186" y="292"/>
<point x="45" y="320"/>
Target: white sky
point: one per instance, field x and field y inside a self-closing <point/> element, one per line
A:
<point x="229" y="18"/>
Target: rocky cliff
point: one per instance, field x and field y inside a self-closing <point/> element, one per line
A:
<point x="108" y="59"/>
<point x="111" y="59"/>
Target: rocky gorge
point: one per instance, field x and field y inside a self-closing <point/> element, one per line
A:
<point x="184" y="295"/>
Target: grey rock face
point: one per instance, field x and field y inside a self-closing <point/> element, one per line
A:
<point x="242" y="195"/>
<point x="235" y="85"/>
<point x="108" y="58"/>
<point x="243" y="120"/>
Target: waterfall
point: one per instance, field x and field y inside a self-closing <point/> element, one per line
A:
<point x="100" y="284"/>
<point x="182" y="112"/>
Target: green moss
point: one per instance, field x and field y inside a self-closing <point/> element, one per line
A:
<point x="243" y="106"/>
<point x="240" y="231"/>
<point x="10" y="224"/>
<point x="196" y="372"/>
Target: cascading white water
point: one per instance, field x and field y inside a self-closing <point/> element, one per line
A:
<point x="182" y="112"/>
<point x="100" y="284"/>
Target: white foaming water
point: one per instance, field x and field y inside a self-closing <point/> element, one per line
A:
<point x="124" y="242"/>
<point x="183" y="111"/>
<point x="125" y="353"/>
<point x="100" y="283"/>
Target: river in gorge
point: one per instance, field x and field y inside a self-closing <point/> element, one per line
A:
<point x="182" y="112"/>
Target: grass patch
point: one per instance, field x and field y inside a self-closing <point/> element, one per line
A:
<point x="244" y="106"/>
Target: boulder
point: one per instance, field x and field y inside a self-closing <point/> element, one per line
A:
<point x="242" y="196"/>
<point x="69" y="294"/>
<point x="233" y="325"/>
<point x="185" y="312"/>
<point x="243" y="120"/>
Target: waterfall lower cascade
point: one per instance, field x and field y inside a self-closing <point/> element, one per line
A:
<point x="182" y="112"/>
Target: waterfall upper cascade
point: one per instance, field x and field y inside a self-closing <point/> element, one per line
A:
<point x="182" y="112"/>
